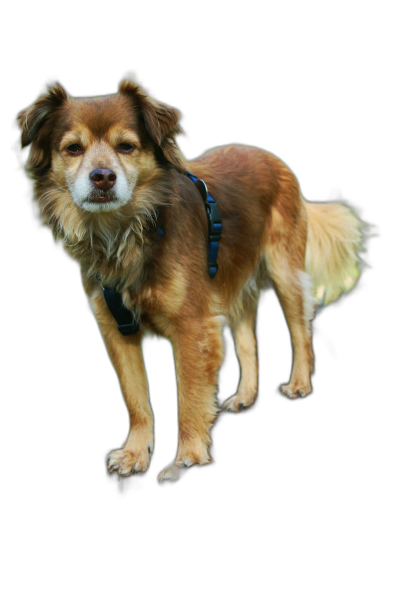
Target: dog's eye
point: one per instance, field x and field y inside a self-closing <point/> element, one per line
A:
<point x="126" y="147"/>
<point x="74" y="149"/>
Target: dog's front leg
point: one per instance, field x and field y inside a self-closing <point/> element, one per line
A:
<point x="198" y="355"/>
<point x="126" y="355"/>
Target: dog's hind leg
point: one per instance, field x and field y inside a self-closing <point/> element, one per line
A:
<point x="285" y="262"/>
<point x="243" y="329"/>
<point x="198" y="355"/>
<point x="126" y="355"/>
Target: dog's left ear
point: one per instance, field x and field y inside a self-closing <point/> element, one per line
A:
<point x="36" y="123"/>
<point x="161" y="121"/>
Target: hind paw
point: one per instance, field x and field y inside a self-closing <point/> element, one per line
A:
<point x="239" y="401"/>
<point x="294" y="390"/>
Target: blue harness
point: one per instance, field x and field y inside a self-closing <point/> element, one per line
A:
<point x="127" y="323"/>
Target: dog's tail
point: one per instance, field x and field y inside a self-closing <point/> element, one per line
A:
<point x="335" y="237"/>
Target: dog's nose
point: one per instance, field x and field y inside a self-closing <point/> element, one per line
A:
<point x="103" y="179"/>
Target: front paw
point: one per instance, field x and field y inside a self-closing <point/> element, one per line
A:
<point x="193" y="452"/>
<point x="170" y="473"/>
<point x="128" y="461"/>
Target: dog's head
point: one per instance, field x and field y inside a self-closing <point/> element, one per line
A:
<point x="99" y="149"/>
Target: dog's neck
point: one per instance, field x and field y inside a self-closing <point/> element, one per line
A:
<point x="113" y="254"/>
<point x="115" y="245"/>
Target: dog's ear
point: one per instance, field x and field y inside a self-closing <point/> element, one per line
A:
<point x="161" y="121"/>
<point x="36" y="123"/>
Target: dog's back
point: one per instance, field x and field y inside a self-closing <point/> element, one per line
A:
<point x="262" y="207"/>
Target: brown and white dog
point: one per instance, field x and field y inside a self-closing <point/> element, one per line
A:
<point x="107" y="172"/>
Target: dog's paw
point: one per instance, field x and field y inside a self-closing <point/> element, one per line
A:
<point x="171" y="473"/>
<point x="175" y="470"/>
<point x="239" y="401"/>
<point x="127" y="462"/>
<point x="293" y="391"/>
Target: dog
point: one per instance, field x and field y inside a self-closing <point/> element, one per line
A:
<point x="112" y="184"/>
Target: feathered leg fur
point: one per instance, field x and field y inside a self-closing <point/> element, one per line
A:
<point x="126" y="356"/>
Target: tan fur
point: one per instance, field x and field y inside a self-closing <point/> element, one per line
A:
<point x="126" y="355"/>
<point x="334" y="237"/>
<point x="246" y="350"/>
<point x="270" y="234"/>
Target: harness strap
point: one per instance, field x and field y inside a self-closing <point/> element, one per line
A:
<point x="214" y="224"/>
<point x="127" y="323"/>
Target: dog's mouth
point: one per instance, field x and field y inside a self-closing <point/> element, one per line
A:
<point x="101" y="198"/>
<point x="101" y="201"/>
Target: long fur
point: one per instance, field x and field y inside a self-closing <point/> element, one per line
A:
<point x="309" y="251"/>
<point x="334" y="239"/>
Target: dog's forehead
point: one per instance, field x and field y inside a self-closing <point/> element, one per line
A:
<point x="102" y="114"/>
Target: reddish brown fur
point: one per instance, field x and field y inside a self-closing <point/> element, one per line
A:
<point x="164" y="281"/>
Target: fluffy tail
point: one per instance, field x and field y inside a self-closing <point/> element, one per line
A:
<point x="334" y="240"/>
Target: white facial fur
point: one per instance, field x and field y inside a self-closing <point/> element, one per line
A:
<point x="100" y="155"/>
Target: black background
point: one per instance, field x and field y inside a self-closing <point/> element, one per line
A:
<point x="320" y="105"/>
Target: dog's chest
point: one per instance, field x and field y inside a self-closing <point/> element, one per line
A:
<point x="160" y="303"/>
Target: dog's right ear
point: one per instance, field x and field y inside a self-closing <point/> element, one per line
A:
<point x="161" y="121"/>
<point x="36" y="124"/>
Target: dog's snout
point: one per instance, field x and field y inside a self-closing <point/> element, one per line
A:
<point x="103" y="179"/>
